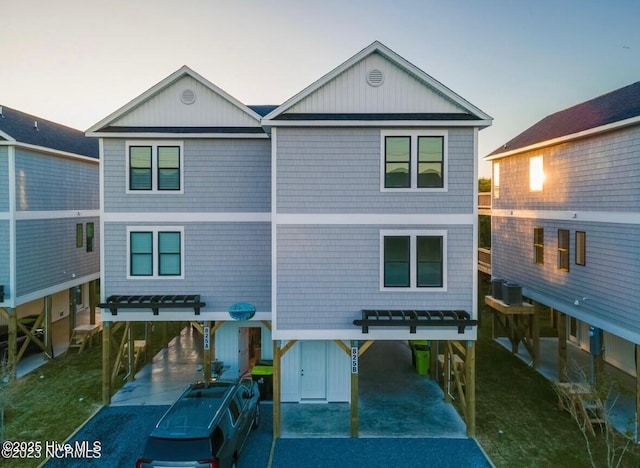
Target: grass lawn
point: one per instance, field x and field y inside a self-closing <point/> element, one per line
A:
<point x="518" y="421"/>
<point x="51" y="402"/>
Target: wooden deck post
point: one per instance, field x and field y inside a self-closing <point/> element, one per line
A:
<point x="206" y="354"/>
<point x="130" y="352"/>
<point x="72" y="310"/>
<point x="562" y="346"/>
<point x="93" y="301"/>
<point x="354" y="392"/>
<point x="48" y="338"/>
<point x="106" y="363"/>
<point x="637" y="428"/>
<point x="12" y="358"/>
<point x="470" y="387"/>
<point x="276" y="390"/>
<point x="446" y="372"/>
<point x="534" y="326"/>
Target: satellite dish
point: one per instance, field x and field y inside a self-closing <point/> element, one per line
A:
<point x="242" y="311"/>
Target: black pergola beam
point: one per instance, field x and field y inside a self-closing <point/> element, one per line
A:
<point x="414" y="319"/>
<point x="155" y="302"/>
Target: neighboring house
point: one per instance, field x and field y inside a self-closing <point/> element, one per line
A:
<point x="358" y="193"/>
<point x="566" y="219"/>
<point x="49" y="226"/>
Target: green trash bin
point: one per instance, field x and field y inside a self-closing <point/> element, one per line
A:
<point x="423" y="357"/>
<point x="412" y="345"/>
<point x="263" y="376"/>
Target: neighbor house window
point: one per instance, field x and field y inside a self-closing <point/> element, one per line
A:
<point x="155" y="252"/>
<point x="538" y="245"/>
<point x="581" y="248"/>
<point x="413" y="260"/>
<point x="79" y="235"/>
<point x="536" y="173"/>
<point x="90" y="236"/>
<point x="154" y="167"/>
<point x="413" y="160"/>
<point x="496" y="180"/>
<point x="563" y="249"/>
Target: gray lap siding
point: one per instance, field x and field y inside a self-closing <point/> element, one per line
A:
<point x="224" y="262"/>
<point x="327" y="274"/>
<point x="46" y="253"/>
<point x="593" y="174"/>
<point x="46" y="183"/>
<point x="609" y="279"/>
<point x="337" y="170"/>
<point x="4" y="179"/>
<point x="220" y="175"/>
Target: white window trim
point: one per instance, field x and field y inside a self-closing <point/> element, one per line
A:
<point x="414" y="134"/>
<point x="413" y="234"/>
<point x="154" y="166"/>
<point x="154" y="230"/>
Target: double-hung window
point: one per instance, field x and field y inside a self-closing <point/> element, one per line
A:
<point x="155" y="252"/>
<point x="154" y="167"/>
<point x="538" y="245"/>
<point x="563" y="249"/>
<point x="413" y="260"/>
<point x="413" y="160"/>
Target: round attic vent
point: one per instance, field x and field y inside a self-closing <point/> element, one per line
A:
<point x="188" y="97"/>
<point x="375" y="77"/>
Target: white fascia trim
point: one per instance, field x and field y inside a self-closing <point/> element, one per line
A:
<point x="376" y="333"/>
<point x="5" y="216"/>
<point x="178" y="315"/>
<point x="476" y="229"/>
<point x="47" y="150"/>
<point x="423" y="219"/>
<point x="102" y="248"/>
<point x="11" y="174"/>
<point x="185" y="217"/>
<point x="274" y="227"/>
<point x="376" y="123"/>
<point x="57" y="288"/>
<point x="565" y="138"/>
<point x="176" y="135"/>
<point x="575" y="216"/>
<point x="175" y="76"/>
<point x="7" y="137"/>
<point x="21" y="215"/>
<point x="390" y="55"/>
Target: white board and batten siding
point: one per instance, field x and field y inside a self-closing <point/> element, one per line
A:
<point x="400" y="92"/>
<point x="228" y="349"/>
<point x="167" y="109"/>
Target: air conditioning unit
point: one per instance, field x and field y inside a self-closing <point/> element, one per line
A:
<point x="511" y="293"/>
<point x="496" y="288"/>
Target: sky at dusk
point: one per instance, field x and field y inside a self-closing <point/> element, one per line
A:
<point x="77" y="61"/>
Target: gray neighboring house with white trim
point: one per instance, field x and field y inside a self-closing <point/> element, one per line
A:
<point x="566" y="218"/>
<point x="49" y="221"/>
<point x="357" y="193"/>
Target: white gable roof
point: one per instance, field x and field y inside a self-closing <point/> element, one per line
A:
<point x="405" y="89"/>
<point x="164" y="105"/>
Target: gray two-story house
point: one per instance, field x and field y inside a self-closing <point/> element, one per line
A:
<point x="355" y="196"/>
<point x="49" y="227"/>
<point x="566" y="220"/>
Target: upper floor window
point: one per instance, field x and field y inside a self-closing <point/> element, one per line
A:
<point x="581" y="248"/>
<point x="563" y="249"/>
<point x="79" y="235"/>
<point x="154" y="167"/>
<point x="536" y="173"/>
<point x="412" y="260"/>
<point x="90" y="236"/>
<point x="538" y="245"/>
<point x="155" y="252"/>
<point x="496" y="180"/>
<point x="413" y="160"/>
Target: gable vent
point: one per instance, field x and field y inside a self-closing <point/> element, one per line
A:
<point x="188" y="97"/>
<point x="375" y="77"/>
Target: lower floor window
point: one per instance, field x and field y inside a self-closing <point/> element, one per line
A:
<point x="155" y="252"/>
<point x="413" y="259"/>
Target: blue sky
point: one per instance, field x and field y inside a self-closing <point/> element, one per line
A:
<point x="75" y="62"/>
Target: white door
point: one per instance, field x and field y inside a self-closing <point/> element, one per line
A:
<point x="313" y="370"/>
